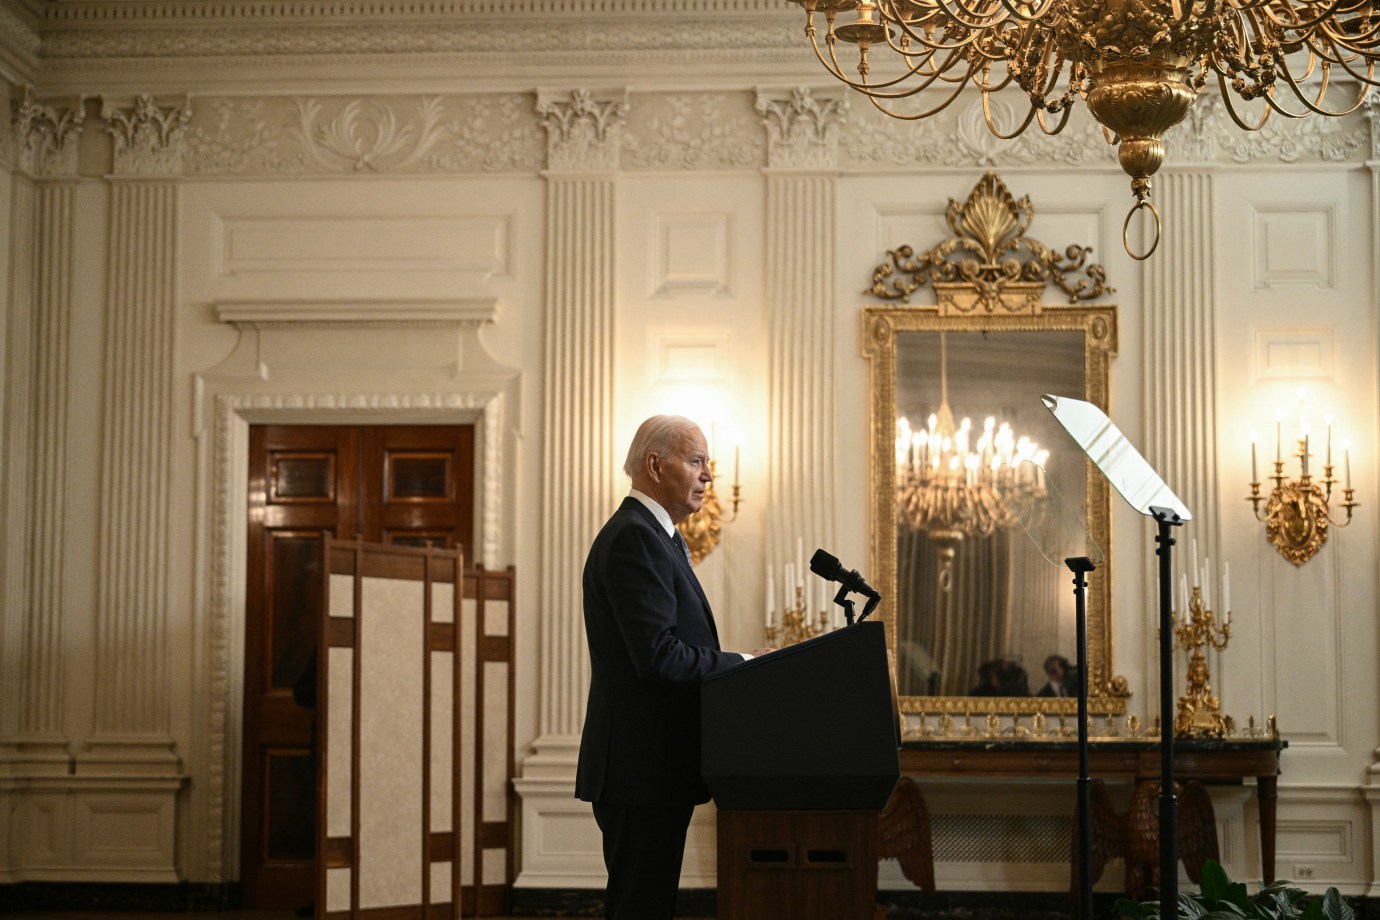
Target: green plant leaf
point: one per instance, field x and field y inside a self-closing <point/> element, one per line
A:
<point x="1189" y="908"/>
<point x="1134" y="910"/>
<point x="1334" y="908"/>
<point x="1215" y="883"/>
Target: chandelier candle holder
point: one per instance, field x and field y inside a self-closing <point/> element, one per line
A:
<point x="1195" y="631"/>
<point x="952" y="488"/>
<point x="805" y="609"/>
<point x="1138" y="64"/>
<point x="1298" y="512"/>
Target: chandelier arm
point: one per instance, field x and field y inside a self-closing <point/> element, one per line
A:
<point x="987" y="116"/>
<point x="1305" y="25"/>
<point x="975" y="27"/>
<point x="1322" y="90"/>
<point x="835" y="70"/>
<point x="916" y="116"/>
<point x="1231" y="110"/>
<point x="1368" y="78"/>
<point x="1034" y="17"/>
<point x="1063" y="120"/>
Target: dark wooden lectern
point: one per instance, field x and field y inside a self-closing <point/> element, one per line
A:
<point x="800" y="752"/>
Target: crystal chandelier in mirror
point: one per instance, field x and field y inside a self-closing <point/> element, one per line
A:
<point x="1139" y="64"/>
<point x="953" y="482"/>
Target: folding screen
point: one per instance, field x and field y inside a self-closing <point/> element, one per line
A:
<point x="415" y="735"/>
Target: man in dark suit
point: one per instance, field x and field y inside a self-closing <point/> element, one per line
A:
<point x="652" y="640"/>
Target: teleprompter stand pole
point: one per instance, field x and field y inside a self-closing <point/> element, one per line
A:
<point x="1169" y="802"/>
<point x="1081" y="566"/>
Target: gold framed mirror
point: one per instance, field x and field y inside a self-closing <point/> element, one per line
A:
<point x="974" y="610"/>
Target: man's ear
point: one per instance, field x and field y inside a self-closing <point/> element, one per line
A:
<point x="653" y="467"/>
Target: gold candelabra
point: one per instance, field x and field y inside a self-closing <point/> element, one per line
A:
<point x="1195" y="631"/>
<point x="1298" y="511"/>
<point x="796" y="623"/>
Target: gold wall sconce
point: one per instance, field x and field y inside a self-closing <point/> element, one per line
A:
<point x="1298" y="512"/>
<point x="701" y="530"/>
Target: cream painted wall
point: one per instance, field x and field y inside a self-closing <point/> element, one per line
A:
<point x="277" y="215"/>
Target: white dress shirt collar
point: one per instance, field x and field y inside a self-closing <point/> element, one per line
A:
<point x="658" y="512"/>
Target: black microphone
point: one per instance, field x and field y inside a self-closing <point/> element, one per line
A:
<point x="829" y="568"/>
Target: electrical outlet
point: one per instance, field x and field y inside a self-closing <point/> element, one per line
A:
<point x="1303" y="871"/>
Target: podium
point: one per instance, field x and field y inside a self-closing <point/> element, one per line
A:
<point x="800" y="751"/>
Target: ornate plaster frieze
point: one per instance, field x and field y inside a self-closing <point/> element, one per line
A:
<point x="682" y="131"/>
<point x="959" y="138"/>
<point x="803" y="127"/>
<point x="96" y="11"/>
<point x="354" y="135"/>
<point x="149" y="139"/>
<point x="1314" y="138"/>
<point x="584" y="132"/>
<point x="46" y="137"/>
<point x="692" y="131"/>
<point x="1371" y="111"/>
<point x="572" y="40"/>
<point x="19" y="40"/>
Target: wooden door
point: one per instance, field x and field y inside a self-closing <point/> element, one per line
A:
<point x="405" y="485"/>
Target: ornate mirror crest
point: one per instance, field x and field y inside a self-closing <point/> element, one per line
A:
<point x="989" y="266"/>
<point x="964" y="588"/>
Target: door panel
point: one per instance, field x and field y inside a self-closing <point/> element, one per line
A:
<point x="398" y="484"/>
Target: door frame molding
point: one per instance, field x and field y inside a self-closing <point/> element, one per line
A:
<point x="222" y="555"/>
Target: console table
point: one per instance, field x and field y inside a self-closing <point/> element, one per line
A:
<point x="1210" y="761"/>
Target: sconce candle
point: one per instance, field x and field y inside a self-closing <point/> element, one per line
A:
<point x="1254" y="477"/>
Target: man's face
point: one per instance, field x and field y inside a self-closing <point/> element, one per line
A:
<point x="683" y="476"/>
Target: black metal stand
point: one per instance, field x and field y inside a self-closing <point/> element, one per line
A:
<point x="1081" y="566"/>
<point x="1169" y="802"/>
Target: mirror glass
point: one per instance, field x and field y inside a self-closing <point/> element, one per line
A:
<point x="980" y="619"/>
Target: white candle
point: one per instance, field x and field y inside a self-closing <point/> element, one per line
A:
<point x="1279" y="439"/>
<point x="1346" y="459"/>
<point x="800" y="559"/>
<point x="1226" y="588"/>
<point x="787" y="598"/>
<point x="1305" y="456"/>
<point x="1328" y="461"/>
<point x="1207" y="577"/>
<point x="1183" y="586"/>
<point x="771" y="595"/>
<point x="1194" y="562"/>
<point x="1254" y="477"/>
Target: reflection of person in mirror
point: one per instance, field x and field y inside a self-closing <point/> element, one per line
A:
<point x="1001" y="677"/>
<point x="1057" y="677"/>
<point x="652" y="640"/>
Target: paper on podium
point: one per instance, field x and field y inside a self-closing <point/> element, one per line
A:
<point x="1122" y="465"/>
<point x="1052" y="524"/>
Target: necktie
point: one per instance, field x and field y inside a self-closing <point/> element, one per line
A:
<point x="680" y="544"/>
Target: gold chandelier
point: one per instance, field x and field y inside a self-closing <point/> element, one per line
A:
<point x="952" y="485"/>
<point x="1139" y="64"/>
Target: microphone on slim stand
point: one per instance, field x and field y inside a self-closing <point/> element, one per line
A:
<point x="828" y="567"/>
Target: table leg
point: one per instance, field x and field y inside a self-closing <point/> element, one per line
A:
<point x="1266" y="791"/>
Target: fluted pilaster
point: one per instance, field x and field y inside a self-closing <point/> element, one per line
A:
<point x="802" y="160"/>
<point x="132" y="713"/>
<point x="578" y="454"/>
<point x="1179" y="354"/>
<point x="46" y="140"/>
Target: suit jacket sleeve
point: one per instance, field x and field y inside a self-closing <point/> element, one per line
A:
<point x="664" y="624"/>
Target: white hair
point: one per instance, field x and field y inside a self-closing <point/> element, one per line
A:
<point x="657" y="435"/>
